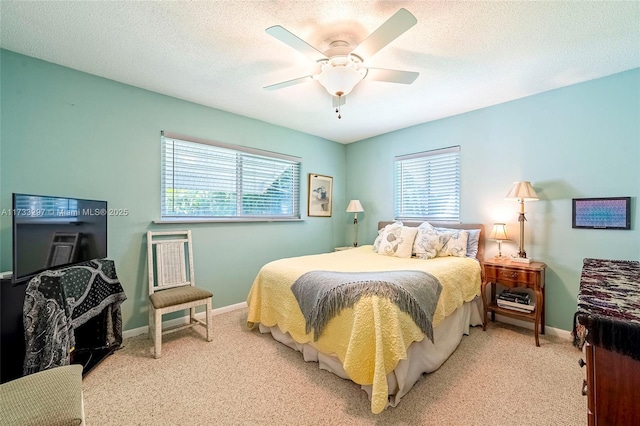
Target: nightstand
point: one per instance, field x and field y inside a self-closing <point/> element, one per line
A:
<point x="511" y="275"/>
<point x="343" y="248"/>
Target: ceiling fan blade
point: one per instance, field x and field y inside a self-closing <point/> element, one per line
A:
<point x="337" y="101"/>
<point x="296" y="42"/>
<point x="392" y="76"/>
<point x="289" y="83"/>
<point x="400" y="22"/>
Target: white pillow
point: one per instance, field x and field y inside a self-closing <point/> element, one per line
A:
<point x="397" y="241"/>
<point x="455" y="243"/>
<point x="376" y="243"/>
<point x="473" y="242"/>
<point x="427" y="243"/>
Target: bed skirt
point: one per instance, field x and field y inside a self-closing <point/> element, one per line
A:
<point x="422" y="357"/>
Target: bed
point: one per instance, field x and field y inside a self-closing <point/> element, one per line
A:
<point x="374" y="343"/>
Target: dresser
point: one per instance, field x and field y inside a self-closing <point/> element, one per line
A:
<point x="607" y="328"/>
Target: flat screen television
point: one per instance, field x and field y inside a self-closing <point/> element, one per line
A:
<point x="52" y="232"/>
<point x="601" y="213"/>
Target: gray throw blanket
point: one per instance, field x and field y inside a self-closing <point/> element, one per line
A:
<point x="321" y="295"/>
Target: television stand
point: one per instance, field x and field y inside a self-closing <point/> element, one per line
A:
<point x="92" y="344"/>
<point x="90" y="358"/>
<point x="90" y="349"/>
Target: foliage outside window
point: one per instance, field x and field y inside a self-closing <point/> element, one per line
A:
<point x="427" y="185"/>
<point x="210" y="180"/>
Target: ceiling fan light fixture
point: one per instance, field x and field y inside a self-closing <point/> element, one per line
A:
<point x="339" y="80"/>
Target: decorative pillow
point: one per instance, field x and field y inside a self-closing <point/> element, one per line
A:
<point x="397" y="241"/>
<point x="454" y="242"/>
<point x="427" y="242"/>
<point x="376" y="243"/>
<point x="472" y="243"/>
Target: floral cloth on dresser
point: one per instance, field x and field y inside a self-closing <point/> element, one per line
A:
<point x="608" y="312"/>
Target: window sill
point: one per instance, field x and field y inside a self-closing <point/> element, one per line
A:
<point x="221" y="220"/>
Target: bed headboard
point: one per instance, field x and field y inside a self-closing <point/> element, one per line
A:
<point x="479" y="256"/>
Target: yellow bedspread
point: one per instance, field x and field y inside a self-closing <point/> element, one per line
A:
<point x="373" y="336"/>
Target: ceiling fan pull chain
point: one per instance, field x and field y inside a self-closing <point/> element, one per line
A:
<point x="339" y="103"/>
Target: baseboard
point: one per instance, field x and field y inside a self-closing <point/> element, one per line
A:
<point x="183" y="320"/>
<point x="551" y="331"/>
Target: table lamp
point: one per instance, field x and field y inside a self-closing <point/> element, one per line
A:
<point x="355" y="207"/>
<point x="522" y="191"/>
<point x="499" y="234"/>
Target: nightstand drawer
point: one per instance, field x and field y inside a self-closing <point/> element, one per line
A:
<point x="509" y="275"/>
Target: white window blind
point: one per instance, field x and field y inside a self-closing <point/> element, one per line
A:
<point x="427" y="185"/>
<point x="203" y="179"/>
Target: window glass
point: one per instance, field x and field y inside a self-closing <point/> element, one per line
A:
<point x="427" y="185"/>
<point x="204" y="179"/>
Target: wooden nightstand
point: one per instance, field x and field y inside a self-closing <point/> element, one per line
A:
<point x="511" y="275"/>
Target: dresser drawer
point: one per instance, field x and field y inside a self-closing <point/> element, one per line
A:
<point x="509" y="275"/>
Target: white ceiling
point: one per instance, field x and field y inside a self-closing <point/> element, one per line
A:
<point x="216" y="53"/>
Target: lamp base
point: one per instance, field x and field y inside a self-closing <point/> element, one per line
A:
<point x="521" y="259"/>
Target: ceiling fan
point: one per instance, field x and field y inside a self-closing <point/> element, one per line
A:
<point x="341" y="68"/>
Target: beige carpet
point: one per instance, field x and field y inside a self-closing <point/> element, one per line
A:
<point x="497" y="377"/>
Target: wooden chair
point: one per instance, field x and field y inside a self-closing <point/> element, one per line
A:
<point x="172" y="284"/>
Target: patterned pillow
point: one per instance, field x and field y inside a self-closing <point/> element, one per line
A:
<point x="397" y="241"/>
<point x="378" y="240"/>
<point x="454" y="243"/>
<point x="472" y="242"/>
<point x="427" y="243"/>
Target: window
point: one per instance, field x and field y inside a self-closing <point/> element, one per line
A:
<point x="210" y="180"/>
<point x="427" y="185"/>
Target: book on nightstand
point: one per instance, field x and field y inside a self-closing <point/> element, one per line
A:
<point x="515" y="296"/>
<point x="520" y="307"/>
<point x="525" y="260"/>
<point x="516" y="300"/>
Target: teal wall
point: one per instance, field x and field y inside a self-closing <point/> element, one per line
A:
<point x="68" y="133"/>
<point x="578" y="141"/>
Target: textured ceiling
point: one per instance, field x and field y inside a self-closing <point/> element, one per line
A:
<point x="216" y="53"/>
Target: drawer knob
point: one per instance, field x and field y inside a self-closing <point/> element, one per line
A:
<point x="509" y="274"/>
<point x="584" y="387"/>
<point x="581" y="362"/>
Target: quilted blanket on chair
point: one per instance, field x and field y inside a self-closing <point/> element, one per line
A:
<point x="56" y="302"/>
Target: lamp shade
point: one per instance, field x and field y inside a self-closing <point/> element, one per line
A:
<point x="354" y="206"/>
<point x="522" y="191"/>
<point x="340" y="79"/>
<point x="499" y="232"/>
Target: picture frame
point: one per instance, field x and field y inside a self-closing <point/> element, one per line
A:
<point x="320" y="195"/>
<point x="601" y="213"/>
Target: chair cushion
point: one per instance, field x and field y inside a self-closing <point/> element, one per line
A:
<point x="49" y="397"/>
<point x="177" y="296"/>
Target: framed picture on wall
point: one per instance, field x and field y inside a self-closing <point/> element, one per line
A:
<point x="602" y="213"/>
<point x="320" y="195"/>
